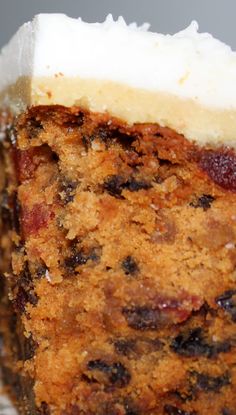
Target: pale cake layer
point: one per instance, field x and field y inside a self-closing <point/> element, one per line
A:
<point x="214" y="127"/>
<point x="186" y="81"/>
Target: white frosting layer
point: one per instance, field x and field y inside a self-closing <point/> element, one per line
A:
<point x="188" y="65"/>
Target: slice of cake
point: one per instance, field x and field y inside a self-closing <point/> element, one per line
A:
<point x="118" y="207"/>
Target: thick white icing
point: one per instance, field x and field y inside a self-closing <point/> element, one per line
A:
<point x="188" y="64"/>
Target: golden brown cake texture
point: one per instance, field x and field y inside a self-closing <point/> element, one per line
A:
<point x="122" y="281"/>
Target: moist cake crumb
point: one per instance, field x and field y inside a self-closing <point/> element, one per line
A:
<point x="122" y="284"/>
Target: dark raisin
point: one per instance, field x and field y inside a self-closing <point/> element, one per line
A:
<point x="25" y="278"/>
<point x="134" y="185"/>
<point x="159" y="179"/>
<point x="146" y="345"/>
<point x="227" y="301"/>
<point x="183" y="396"/>
<point x="203" y="202"/>
<point x="118" y="375"/>
<point x="34" y="127"/>
<point x="209" y="383"/>
<point x="192" y="343"/>
<point x="138" y="347"/>
<point x="6" y="217"/>
<point x="131" y="411"/>
<point x="226" y="411"/>
<point x="6" y="213"/>
<point x="142" y="317"/>
<point x="25" y="290"/>
<point x="130" y="407"/>
<point x="173" y="410"/>
<point x="87" y="140"/>
<point x="10" y="211"/>
<point x="41" y="271"/>
<point x="164" y="162"/>
<point x="16" y="213"/>
<point x="220" y="167"/>
<point x="125" y="347"/>
<point x="20" y="300"/>
<point x="43" y="409"/>
<point x="78" y="258"/>
<point x="130" y="266"/>
<point x="79" y="119"/>
<point x="68" y="188"/>
<point x="32" y="298"/>
<point x="104" y="134"/>
<point x="111" y="135"/>
<point x="113" y="185"/>
<point x="98" y="364"/>
<point x="55" y="156"/>
<point x="126" y="141"/>
<point x="30" y="346"/>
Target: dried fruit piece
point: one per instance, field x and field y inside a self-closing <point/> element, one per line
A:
<point x="130" y="407"/>
<point x="79" y="258"/>
<point x="163" y="310"/>
<point x="22" y="298"/>
<point x="220" y="167"/>
<point x="173" y="410"/>
<point x="142" y="317"/>
<point x="136" y="347"/>
<point x="125" y="347"/>
<point x="117" y="374"/>
<point x="30" y="346"/>
<point x="133" y="185"/>
<point x="192" y="343"/>
<point x="203" y="202"/>
<point x="226" y="411"/>
<point x="115" y="184"/>
<point x="68" y="188"/>
<point x="227" y="301"/>
<point x="130" y="266"/>
<point x="33" y="127"/>
<point x="43" y="409"/>
<point x="208" y="383"/>
<point x="36" y="218"/>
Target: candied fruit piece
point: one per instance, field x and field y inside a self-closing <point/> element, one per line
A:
<point x="36" y="218"/>
<point x="220" y="167"/>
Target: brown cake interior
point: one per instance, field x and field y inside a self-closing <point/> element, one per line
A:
<point x="123" y="266"/>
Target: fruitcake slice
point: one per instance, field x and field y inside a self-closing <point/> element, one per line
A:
<point x="118" y="224"/>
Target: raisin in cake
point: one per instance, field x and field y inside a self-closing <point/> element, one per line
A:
<point x="118" y="220"/>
